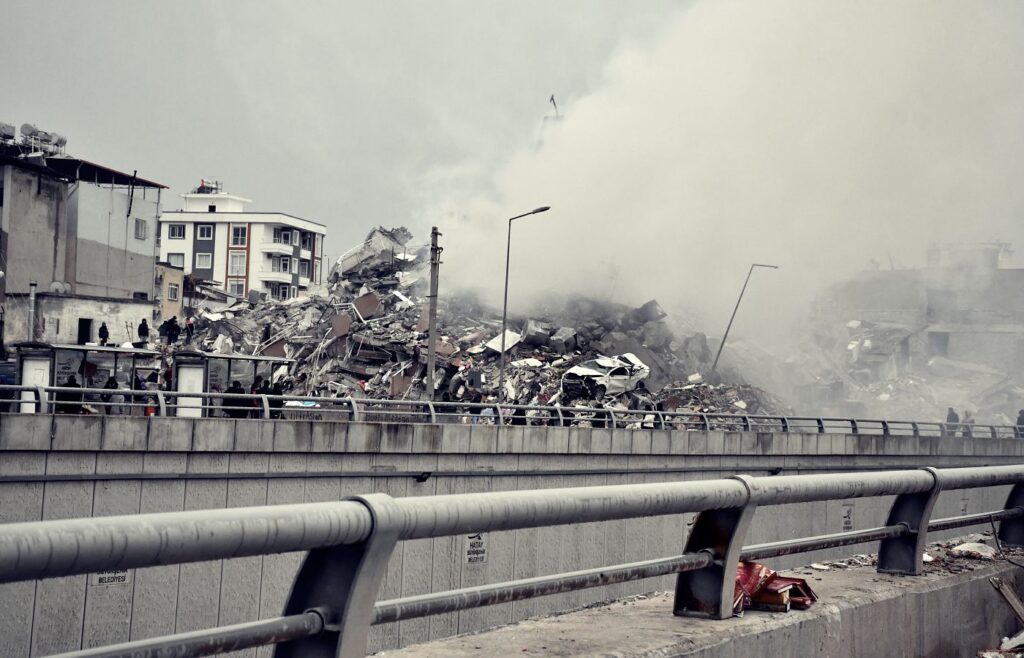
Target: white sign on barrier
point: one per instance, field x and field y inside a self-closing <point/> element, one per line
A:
<point x="113" y="577"/>
<point x="476" y="549"/>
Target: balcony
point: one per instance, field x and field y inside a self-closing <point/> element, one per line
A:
<point x="304" y="253"/>
<point x="277" y="248"/>
<point x="277" y="277"/>
<point x="303" y="281"/>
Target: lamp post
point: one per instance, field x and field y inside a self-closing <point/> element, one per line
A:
<point x="736" y="308"/>
<point x="504" y="309"/>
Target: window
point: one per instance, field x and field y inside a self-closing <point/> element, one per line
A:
<point x="173" y="290"/>
<point x="238" y="236"/>
<point x="176" y="231"/>
<point x="307" y="241"/>
<point x="236" y="263"/>
<point x="176" y="260"/>
<point x="236" y="287"/>
<point x="283" y="264"/>
<point x="282" y="236"/>
<point x="316" y="271"/>
<point x="211" y="208"/>
<point x="304" y="268"/>
<point x="205" y="232"/>
<point x="141" y="229"/>
<point x="204" y="261"/>
<point x="295" y="291"/>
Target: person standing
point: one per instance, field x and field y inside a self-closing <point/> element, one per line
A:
<point x="104" y="333"/>
<point x="144" y="331"/>
<point x="107" y="398"/>
<point x="952" y="422"/>
<point x="1020" y="424"/>
<point x="173" y="331"/>
<point x="190" y="331"/>
<point x="968" y="425"/>
<point x="69" y="402"/>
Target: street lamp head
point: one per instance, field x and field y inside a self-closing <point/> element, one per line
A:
<point x="774" y="267"/>
<point x="541" y="209"/>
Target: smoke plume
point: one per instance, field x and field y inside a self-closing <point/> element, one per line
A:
<point x="816" y="136"/>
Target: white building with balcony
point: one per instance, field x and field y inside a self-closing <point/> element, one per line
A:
<point x="216" y="239"/>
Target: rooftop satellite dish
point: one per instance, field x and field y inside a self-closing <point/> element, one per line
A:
<point x="60" y="141"/>
<point x="7" y="131"/>
<point x="28" y="130"/>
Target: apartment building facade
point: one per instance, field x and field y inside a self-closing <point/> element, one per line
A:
<point x="216" y="239"/>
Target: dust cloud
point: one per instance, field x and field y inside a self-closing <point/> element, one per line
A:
<point x="816" y="136"/>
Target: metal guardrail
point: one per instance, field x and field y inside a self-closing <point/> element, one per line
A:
<point x="332" y="602"/>
<point x="62" y="400"/>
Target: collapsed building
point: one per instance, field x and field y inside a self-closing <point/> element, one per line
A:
<point x="912" y="342"/>
<point x="367" y="337"/>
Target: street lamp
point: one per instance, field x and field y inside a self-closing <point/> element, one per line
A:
<point x="736" y="308"/>
<point x="504" y="309"/>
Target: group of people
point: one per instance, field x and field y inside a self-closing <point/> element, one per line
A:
<point x="76" y="402"/>
<point x="251" y="406"/>
<point x="965" y="426"/>
<point x="169" y="331"/>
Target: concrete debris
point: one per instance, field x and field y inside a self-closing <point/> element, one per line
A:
<point x="367" y="337"/>
<point x="974" y="550"/>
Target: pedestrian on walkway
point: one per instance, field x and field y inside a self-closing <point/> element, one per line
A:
<point x="144" y="331"/>
<point x="952" y="422"/>
<point x="968" y="425"/>
<point x="173" y="331"/>
<point x="107" y="398"/>
<point x="104" y="333"/>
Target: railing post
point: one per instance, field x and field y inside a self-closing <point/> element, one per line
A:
<point x="904" y="554"/>
<point x="433" y="414"/>
<point x="916" y="430"/>
<point x="340" y="584"/>
<point x="41" y="400"/>
<point x="355" y="410"/>
<point x="161" y="403"/>
<point x="785" y="423"/>
<point x="746" y="423"/>
<point x="1011" y="531"/>
<point x="501" y="415"/>
<point x="821" y="425"/>
<point x="561" y="419"/>
<point x="709" y="592"/>
<point x="265" y="405"/>
<point x="853" y="426"/>
<point x="885" y="428"/>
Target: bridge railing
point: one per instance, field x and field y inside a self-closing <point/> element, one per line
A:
<point x="333" y="598"/>
<point x="155" y="402"/>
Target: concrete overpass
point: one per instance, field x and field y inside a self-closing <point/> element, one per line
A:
<point x="56" y="467"/>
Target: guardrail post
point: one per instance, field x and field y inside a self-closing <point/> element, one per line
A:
<point x="885" y="428"/>
<point x="161" y="403"/>
<point x="355" y="410"/>
<point x="265" y="405"/>
<point x="904" y="554"/>
<point x="916" y="430"/>
<point x="853" y="426"/>
<point x="41" y="400"/>
<point x="709" y="592"/>
<point x="1011" y="531"/>
<point x="785" y="423"/>
<point x="340" y="584"/>
<point x="821" y="425"/>
<point x="433" y="415"/>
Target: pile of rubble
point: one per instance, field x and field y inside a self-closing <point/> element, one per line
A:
<point x="367" y="337"/>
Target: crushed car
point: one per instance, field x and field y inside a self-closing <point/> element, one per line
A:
<point x="604" y="376"/>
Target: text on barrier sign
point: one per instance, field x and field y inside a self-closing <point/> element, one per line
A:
<point x="113" y="577"/>
<point x="476" y="549"/>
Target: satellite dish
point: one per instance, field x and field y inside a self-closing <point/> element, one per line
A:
<point x="7" y="131"/>
<point x="60" y="141"/>
<point x="28" y="130"/>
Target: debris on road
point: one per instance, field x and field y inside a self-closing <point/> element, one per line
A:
<point x="761" y="588"/>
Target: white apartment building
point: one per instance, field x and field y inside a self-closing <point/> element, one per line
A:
<point x="216" y="239"/>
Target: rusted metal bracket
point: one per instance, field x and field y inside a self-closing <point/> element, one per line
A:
<point x="1011" y="531"/>
<point x="709" y="592"/>
<point x="904" y="554"/>
<point x="340" y="583"/>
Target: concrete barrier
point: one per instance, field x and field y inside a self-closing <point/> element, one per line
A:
<point x="67" y="467"/>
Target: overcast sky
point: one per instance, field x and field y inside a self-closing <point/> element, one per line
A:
<point x="332" y="111"/>
<point x="697" y="136"/>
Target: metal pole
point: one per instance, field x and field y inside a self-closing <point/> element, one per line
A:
<point x="32" y="310"/>
<point x="504" y="308"/>
<point x="721" y="345"/>
<point x="504" y="317"/>
<point x="435" y="262"/>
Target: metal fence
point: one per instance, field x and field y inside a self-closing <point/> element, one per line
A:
<point x="60" y="400"/>
<point x="333" y="598"/>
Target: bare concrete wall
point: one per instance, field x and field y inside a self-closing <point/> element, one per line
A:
<point x="93" y="466"/>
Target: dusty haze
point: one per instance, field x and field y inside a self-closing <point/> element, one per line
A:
<point x="815" y="136"/>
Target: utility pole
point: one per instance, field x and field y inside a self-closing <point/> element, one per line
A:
<point x="435" y="265"/>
